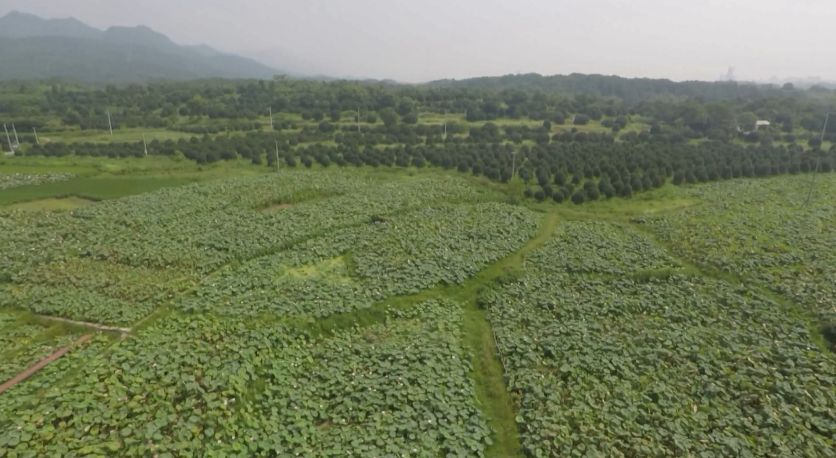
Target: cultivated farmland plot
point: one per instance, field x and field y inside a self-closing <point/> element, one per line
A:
<point x="192" y="384"/>
<point x="619" y="358"/>
<point x="333" y="313"/>
<point x="116" y="261"/>
<point x="766" y="231"/>
<point x="352" y="268"/>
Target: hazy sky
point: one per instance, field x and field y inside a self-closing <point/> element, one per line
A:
<point x="411" y="40"/>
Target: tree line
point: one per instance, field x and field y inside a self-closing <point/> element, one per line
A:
<point x="676" y="111"/>
<point x="576" y="171"/>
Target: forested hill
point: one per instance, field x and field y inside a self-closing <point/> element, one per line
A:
<point x="628" y="89"/>
<point x="36" y="48"/>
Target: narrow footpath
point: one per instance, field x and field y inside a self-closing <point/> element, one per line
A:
<point x="42" y="363"/>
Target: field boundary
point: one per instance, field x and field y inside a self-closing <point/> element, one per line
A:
<point x="35" y="368"/>
<point x="488" y="365"/>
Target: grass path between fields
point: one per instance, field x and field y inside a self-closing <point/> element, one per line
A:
<point x="488" y="373"/>
<point x="496" y="401"/>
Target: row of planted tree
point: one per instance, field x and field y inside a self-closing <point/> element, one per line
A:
<point x="576" y="170"/>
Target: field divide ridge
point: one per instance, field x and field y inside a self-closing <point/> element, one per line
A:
<point x="488" y="372"/>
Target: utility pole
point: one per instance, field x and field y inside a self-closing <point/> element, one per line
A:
<point x="276" y="163"/>
<point x="17" y="141"/>
<point x="37" y="142"/>
<point x="445" y="131"/>
<point x="145" y="145"/>
<point x="270" y="109"/>
<point x="358" y="120"/>
<point x="8" y="139"/>
<point x="818" y="160"/>
<point x="513" y="163"/>
<point x="109" y="123"/>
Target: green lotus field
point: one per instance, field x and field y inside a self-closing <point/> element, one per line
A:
<point x="377" y="312"/>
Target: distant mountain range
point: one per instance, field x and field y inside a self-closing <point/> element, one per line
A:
<point x="35" y="48"/>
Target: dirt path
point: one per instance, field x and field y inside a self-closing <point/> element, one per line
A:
<point x="42" y="363"/>
<point x="86" y="324"/>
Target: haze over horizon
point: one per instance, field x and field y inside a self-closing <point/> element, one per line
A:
<point x="414" y="42"/>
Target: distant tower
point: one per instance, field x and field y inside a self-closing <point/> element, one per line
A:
<point x="730" y="74"/>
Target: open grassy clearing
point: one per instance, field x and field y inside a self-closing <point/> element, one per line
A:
<point x="52" y="204"/>
<point x="102" y="179"/>
<point x="92" y="188"/>
<point x="125" y="135"/>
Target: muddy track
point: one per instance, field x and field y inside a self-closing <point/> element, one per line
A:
<point x="32" y="370"/>
<point x="87" y="324"/>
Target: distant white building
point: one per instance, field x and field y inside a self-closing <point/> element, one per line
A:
<point x="761" y="123"/>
